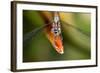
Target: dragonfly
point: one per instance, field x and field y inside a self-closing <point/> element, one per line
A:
<point x="53" y="32"/>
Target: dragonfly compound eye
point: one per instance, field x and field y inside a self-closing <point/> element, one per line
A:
<point x="56" y="31"/>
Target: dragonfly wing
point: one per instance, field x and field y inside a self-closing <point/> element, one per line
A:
<point x="76" y="28"/>
<point x="32" y="33"/>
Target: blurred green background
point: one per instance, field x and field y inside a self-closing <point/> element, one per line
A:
<point x="76" y="41"/>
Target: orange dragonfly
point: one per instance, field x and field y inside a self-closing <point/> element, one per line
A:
<point x="53" y="33"/>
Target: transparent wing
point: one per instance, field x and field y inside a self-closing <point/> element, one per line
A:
<point x="35" y="31"/>
<point x="32" y="33"/>
<point x="76" y="28"/>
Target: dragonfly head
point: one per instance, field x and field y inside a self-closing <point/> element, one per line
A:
<point x="56" y="29"/>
